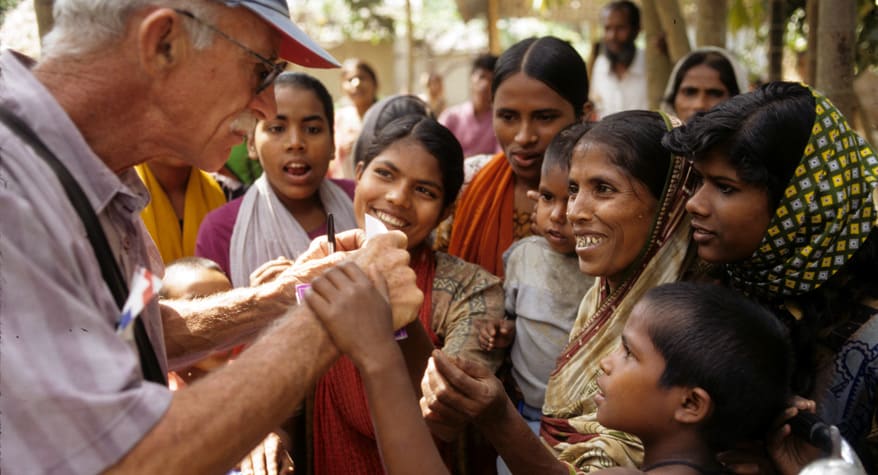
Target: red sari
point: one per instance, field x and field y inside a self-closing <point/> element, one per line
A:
<point x="344" y="439"/>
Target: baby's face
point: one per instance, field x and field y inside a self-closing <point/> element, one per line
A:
<point x="551" y="211"/>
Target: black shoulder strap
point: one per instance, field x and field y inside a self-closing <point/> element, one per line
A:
<point x="149" y="363"/>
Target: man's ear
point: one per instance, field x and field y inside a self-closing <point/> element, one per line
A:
<point x="695" y="406"/>
<point x="250" y="142"/>
<point x="163" y="41"/>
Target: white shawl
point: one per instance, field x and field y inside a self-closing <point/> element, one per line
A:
<point x="265" y="229"/>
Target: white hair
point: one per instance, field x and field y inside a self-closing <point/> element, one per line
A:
<point x="85" y="26"/>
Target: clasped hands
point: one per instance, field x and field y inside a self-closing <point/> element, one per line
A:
<point x="383" y="258"/>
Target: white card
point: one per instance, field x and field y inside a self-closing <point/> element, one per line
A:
<point x="374" y="226"/>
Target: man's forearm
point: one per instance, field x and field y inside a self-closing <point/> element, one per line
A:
<point x="212" y="424"/>
<point x="193" y="328"/>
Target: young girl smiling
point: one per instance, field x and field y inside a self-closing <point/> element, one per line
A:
<point x="409" y="177"/>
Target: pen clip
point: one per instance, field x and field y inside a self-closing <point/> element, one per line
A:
<point x="330" y="232"/>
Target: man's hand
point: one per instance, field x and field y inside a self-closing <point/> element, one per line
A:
<point x="278" y="278"/>
<point x="270" y="270"/>
<point x="386" y="254"/>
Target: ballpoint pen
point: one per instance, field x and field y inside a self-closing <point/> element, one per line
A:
<point x="330" y="232"/>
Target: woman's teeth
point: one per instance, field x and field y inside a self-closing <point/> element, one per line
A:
<point x="389" y="219"/>
<point x="584" y="242"/>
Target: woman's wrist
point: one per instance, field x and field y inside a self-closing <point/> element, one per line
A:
<point x="497" y="412"/>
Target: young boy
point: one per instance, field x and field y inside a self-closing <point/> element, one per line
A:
<point x="189" y="278"/>
<point x="543" y="285"/>
<point x="195" y="277"/>
<point x="699" y="369"/>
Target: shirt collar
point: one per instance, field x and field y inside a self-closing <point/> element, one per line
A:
<point x="25" y="96"/>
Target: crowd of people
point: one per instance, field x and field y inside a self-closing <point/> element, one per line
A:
<point x="568" y="282"/>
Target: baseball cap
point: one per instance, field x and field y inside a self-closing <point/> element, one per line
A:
<point x="295" y="45"/>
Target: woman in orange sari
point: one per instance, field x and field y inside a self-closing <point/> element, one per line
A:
<point x="540" y="86"/>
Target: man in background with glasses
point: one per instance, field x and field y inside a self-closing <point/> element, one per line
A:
<point x="120" y="82"/>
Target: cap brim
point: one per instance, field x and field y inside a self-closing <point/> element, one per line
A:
<point x="295" y="46"/>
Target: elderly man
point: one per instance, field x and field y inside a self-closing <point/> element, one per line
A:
<point x="120" y="82"/>
<point x="618" y="77"/>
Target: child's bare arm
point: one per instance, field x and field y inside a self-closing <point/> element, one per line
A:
<point x="358" y="319"/>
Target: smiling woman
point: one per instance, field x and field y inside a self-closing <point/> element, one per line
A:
<point x="626" y="205"/>
<point x="409" y="176"/>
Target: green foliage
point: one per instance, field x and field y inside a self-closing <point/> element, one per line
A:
<point x="360" y="20"/>
<point x="867" y="36"/>
<point x="866" y="50"/>
<point x="6" y="5"/>
<point x="747" y="14"/>
<point x="366" y="17"/>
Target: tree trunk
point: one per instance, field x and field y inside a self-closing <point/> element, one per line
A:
<point x="837" y="22"/>
<point x="493" y="33"/>
<point x="45" y="20"/>
<point x="710" y="26"/>
<point x="658" y="64"/>
<point x="410" y="49"/>
<point x="812" y="14"/>
<point x="674" y="26"/>
<point x="777" y="23"/>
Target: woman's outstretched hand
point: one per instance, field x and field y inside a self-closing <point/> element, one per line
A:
<point x="457" y="391"/>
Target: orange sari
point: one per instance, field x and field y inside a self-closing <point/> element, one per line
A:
<point x="484" y="219"/>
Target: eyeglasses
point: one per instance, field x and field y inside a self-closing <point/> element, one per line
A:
<point x="272" y="68"/>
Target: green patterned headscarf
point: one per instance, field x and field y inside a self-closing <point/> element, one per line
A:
<point x="824" y="216"/>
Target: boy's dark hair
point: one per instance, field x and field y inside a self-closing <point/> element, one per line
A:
<point x="633" y="141"/>
<point x="310" y="83"/>
<point x="630" y="9"/>
<point x="190" y="262"/>
<point x="433" y="136"/>
<point x="384" y="112"/>
<point x="764" y="134"/>
<point x="485" y="61"/>
<point x="557" y="154"/>
<point x="714" y="338"/>
<point x="550" y="60"/>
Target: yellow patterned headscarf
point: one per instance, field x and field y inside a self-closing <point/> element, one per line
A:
<point x="824" y="216"/>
